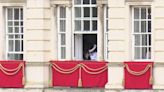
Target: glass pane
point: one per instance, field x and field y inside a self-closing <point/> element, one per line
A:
<point x="63" y="39"/>
<point x="10" y="23"/>
<point x="62" y="12"/>
<point x="16" y="14"/>
<point x="149" y="39"/>
<point x="19" y="56"/>
<point x="11" y="44"/>
<point x="107" y="25"/>
<point x="86" y="25"/>
<point x="77" y="25"/>
<point x="62" y="25"/>
<point x="143" y="13"/>
<point x="86" y="12"/>
<point x="149" y="26"/>
<point x="21" y="14"/>
<point x="63" y="53"/>
<point x="144" y="53"/>
<point x="21" y="23"/>
<point x="144" y="40"/>
<point x="94" y="12"/>
<point x="16" y="29"/>
<point x="77" y="1"/>
<point x="137" y="40"/>
<point x="11" y="36"/>
<point x="143" y="26"/>
<point x="149" y="53"/>
<point x="78" y="12"/>
<point x="17" y="36"/>
<point x="136" y="26"/>
<point x="10" y="29"/>
<point x="10" y="14"/>
<point x="16" y="23"/>
<point x="17" y="45"/>
<point x="93" y="1"/>
<point x="22" y="45"/>
<point x="137" y="53"/>
<point x="149" y="13"/>
<point x="11" y="57"/>
<point x="106" y="12"/>
<point x="86" y="1"/>
<point x="94" y="25"/>
<point x="136" y="13"/>
<point x="21" y="29"/>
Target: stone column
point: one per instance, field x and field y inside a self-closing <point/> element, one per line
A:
<point x="100" y="35"/>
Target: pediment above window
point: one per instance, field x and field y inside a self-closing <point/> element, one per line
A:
<point x="138" y="0"/>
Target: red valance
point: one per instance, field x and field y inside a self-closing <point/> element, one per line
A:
<point x="12" y="74"/>
<point x="79" y="73"/>
<point x="138" y="75"/>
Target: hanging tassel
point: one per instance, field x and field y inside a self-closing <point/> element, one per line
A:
<point x="151" y="80"/>
<point x="79" y="83"/>
<point x="23" y="81"/>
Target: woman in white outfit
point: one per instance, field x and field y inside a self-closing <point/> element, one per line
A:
<point x="93" y="52"/>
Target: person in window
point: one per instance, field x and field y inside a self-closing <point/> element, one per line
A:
<point x="93" y="52"/>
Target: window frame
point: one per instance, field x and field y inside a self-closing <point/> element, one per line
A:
<point x="140" y="33"/>
<point x="21" y="52"/>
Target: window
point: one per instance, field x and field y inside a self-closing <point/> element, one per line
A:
<point x="142" y="38"/>
<point x="14" y="33"/>
<point x="85" y="28"/>
<point x="62" y="32"/>
<point x="106" y="38"/>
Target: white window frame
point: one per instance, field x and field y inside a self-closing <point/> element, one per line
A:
<point x="140" y="33"/>
<point x="59" y="32"/>
<point x="81" y="32"/>
<point x="21" y="52"/>
<point x="106" y="35"/>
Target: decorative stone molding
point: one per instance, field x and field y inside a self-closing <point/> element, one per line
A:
<point x="138" y="0"/>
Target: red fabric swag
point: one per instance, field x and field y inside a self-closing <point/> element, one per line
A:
<point x="72" y="79"/>
<point x="14" y="78"/>
<point x="138" y="75"/>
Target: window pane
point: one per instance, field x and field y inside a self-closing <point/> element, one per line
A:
<point x="143" y="26"/>
<point x="107" y="25"/>
<point x="149" y="13"/>
<point x="15" y="56"/>
<point x="94" y="12"/>
<point x="77" y="1"/>
<point x="136" y="26"/>
<point x="86" y="12"/>
<point x="21" y="23"/>
<point x="143" y="13"/>
<point x="149" y="53"/>
<point x="22" y="45"/>
<point x="63" y="54"/>
<point x="11" y="57"/>
<point x="144" y="53"/>
<point x="21" y="29"/>
<point x="137" y="40"/>
<point x="17" y="36"/>
<point x="62" y="39"/>
<point x="10" y="30"/>
<point x="62" y="25"/>
<point x="62" y="12"/>
<point x="11" y="36"/>
<point x="16" y="29"/>
<point x="149" y="39"/>
<point x="149" y="26"/>
<point x="94" y="25"/>
<point x="77" y="25"/>
<point x="137" y="53"/>
<point x="16" y="14"/>
<point x="86" y="25"/>
<point x="17" y="45"/>
<point x="78" y="12"/>
<point x="10" y="23"/>
<point x="86" y="1"/>
<point x="10" y="14"/>
<point x="136" y="13"/>
<point x="16" y="23"/>
<point x="93" y="1"/>
<point x="21" y="14"/>
<point x="144" y="40"/>
<point x="11" y="44"/>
